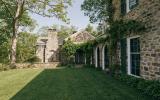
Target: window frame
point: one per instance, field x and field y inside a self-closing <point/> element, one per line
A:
<point x="128" y="5"/>
<point x="129" y="56"/>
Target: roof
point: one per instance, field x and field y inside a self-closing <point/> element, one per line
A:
<point x="41" y="40"/>
<point x="80" y="37"/>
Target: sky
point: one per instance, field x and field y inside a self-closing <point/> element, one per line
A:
<point x="75" y="14"/>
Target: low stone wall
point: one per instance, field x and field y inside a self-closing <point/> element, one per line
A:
<point x="37" y="65"/>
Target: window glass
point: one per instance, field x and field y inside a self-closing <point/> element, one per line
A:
<point x="132" y="3"/>
<point x="135" y="56"/>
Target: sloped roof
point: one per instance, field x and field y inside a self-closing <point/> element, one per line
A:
<point x="40" y="40"/>
<point x="80" y="37"/>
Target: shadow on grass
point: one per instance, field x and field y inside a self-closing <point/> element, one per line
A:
<point x="75" y="84"/>
<point x="45" y="86"/>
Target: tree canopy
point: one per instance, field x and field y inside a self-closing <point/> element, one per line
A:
<point x="91" y="30"/>
<point x="14" y="16"/>
<point x="63" y="31"/>
<point x="97" y="10"/>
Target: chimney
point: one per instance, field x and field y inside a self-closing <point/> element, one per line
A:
<point x="52" y="32"/>
<point x="74" y="32"/>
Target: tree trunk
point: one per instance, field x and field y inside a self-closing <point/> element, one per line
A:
<point x="13" y="49"/>
<point x="19" y="12"/>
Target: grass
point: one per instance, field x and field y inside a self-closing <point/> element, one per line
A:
<point x="64" y="84"/>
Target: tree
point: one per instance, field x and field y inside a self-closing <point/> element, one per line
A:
<point x="91" y="30"/>
<point x="97" y="10"/>
<point x="43" y="31"/>
<point x="68" y="51"/>
<point x="4" y="50"/>
<point x="26" y="46"/>
<point x="15" y="9"/>
<point x="65" y="31"/>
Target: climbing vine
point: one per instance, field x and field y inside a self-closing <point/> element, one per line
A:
<point x="119" y="30"/>
<point x="67" y="52"/>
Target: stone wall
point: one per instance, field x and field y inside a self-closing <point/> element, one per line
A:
<point x="116" y="9"/>
<point x="148" y="11"/>
<point x="37" y="65"/>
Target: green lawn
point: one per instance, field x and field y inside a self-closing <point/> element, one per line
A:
<point x="63" y="84"/>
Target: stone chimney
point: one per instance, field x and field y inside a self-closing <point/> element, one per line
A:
<point x="52" y="32"/>
<point x="74" y="32"/>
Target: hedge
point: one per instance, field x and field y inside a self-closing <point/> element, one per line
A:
<point x="148" y="87"/>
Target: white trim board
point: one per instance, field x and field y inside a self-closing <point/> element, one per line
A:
<point x="95" y="56"/>
<point x="127" y="6"/>
<point x="129" y="55"/>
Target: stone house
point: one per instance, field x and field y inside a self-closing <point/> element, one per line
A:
<point x="143" y="50"/>
<point x="80" y="38"/>
<point x="139" y="54"/>
<point x="48" y="47"/>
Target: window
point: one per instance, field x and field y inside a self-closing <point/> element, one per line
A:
<point x="131" y="4"/>
<point x="134" y="56"/>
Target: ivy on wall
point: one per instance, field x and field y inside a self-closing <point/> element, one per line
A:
<point x="118" y="30"/>
<point x="67" y="52"/>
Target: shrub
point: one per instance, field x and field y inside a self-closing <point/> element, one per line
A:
<point x="33" y="59"/>
<point x="143" y="84"/>
<point x="89" y="66"/>
<point x="115" y="69"/>
<point x="70" y="65"/>
<point x="4" y="67"/>
<point x="148" y="87"/>
<point x="153" y="89"/>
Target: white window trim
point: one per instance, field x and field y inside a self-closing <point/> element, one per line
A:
<point x="95" y="57"/>
<point x="103" y="56"/>
<point x="127" y="7"/>
<point x="129" y="55"/>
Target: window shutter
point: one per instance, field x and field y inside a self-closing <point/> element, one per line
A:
<point x="123" y="7"/>
<point x="123" y="45"/>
